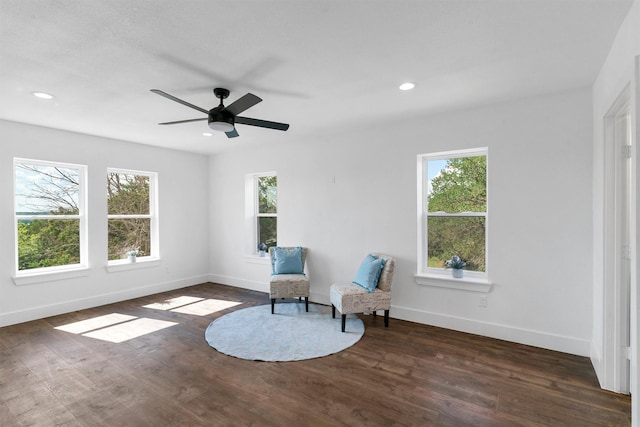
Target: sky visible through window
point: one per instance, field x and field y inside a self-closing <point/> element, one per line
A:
<point x="434" y="168"/>
<point x="32" y="186"/>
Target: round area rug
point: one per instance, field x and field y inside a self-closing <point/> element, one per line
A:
<point x="290" y="334"/>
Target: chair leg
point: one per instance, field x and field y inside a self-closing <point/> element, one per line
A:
<point x="333" y="311"/>
<point x="386" y="318"/>
<point x="273" y="304"/>
<point x="306" y="304"/>
<point x="344" y="321"/>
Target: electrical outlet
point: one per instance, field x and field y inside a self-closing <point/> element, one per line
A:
<point x="483" y="302"/>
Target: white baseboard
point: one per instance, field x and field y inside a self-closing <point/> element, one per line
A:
<point x="596" y="361"/>
<point x="239" y="283"/>
<point x="523" y="336"/>
<point x="549" y="341"/>
<point x="319" y="298"/>
<point x="12" y="318"/>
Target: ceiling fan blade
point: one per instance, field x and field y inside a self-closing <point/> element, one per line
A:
<point x="232" y="133"/>
<point x="243" y="103"/>
<point x="173" y="98"/>
<point x="182" y="121"/>
<point x="262" y="123"/>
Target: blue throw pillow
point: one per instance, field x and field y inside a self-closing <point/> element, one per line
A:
<point x="369" y="273"/>
<point x="287" y="260"/>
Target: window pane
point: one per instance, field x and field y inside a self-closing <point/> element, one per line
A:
<point x="127" y="194"/>
<point x="268" y="194"/>
<point x="462" y="236"/>
<point x="457" y="185"/>
<point x="127" y="235"/>
<point x="47" y="190"/>
<point x="267" y="230"/>
<point x="48" y="243"/>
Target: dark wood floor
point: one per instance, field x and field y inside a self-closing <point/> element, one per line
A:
<point x="406" y="375"/>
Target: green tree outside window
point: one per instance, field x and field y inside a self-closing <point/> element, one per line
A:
<point x="48" y="212"/>
<point x="129" y="214"/>
<point x="456" y="211"/>
<point x="267" y="215"/>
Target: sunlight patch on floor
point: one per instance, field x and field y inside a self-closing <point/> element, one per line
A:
<point x="193" y="305"/>
<point x="95" y="323"/>
<point x="129" y="330"/>
<point x="205" y="307"/>
<point x="115" y="327"/>
<point x="173" y="303"/>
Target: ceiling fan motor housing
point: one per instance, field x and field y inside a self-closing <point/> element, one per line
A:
<point x="221" y="120"/>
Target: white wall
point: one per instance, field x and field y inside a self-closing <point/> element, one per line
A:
<point x="619" y="71"/>
<point x="540" y="203"/>
<point x="183" y="210"/>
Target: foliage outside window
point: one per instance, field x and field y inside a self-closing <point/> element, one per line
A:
<point x="267" y="210"/>
<point x="454" y="209"/>
<point x="50" y="215"/>
<point x="131" y="213"/>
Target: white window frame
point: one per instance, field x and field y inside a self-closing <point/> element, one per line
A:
<point x="251" y="212"/>
<point x="152" y="215"/>
<point x="43" y="274"/>
<point x="440" y="277"/>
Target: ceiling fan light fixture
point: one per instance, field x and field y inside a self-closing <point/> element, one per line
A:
<point x="221" y="126"/>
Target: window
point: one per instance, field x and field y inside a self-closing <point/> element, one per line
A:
<point x="266" y="214"/>
<point x="453" y="210"/>
<point x="132" y="214"/>
<point x="50" y="216"/>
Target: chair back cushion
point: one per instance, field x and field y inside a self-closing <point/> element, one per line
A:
<point x="287" y="259"/>
<point x="386" y="276"/>
<point x="369" y="272"/>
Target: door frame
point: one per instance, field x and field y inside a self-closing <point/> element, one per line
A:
<point x="617" y="303"/>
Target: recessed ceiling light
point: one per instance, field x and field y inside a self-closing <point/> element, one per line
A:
<point x="407" y="86"/>
<point x="207" y="134"/>
<point x="42" y="95"/>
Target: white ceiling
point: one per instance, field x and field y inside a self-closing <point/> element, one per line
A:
<point x="318" y="65"/>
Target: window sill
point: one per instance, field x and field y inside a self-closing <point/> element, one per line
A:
<point x="468" y="283"/>
<point x="50" y="276"/>
<point x="124" y="265"/>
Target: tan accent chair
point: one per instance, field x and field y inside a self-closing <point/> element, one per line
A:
<point x="349" y="298"/>
<point x="289" y="285"/>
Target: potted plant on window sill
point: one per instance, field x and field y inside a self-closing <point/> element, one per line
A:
<point x="262" y="249"/>
<point x="132" y="255"/>
<point x="456" y="264"/>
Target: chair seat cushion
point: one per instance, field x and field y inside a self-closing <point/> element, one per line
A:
<point x="349" y="298"/>
<point x="289" y="286"/>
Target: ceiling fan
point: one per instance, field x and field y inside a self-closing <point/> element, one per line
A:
<point x="223" y="118"/>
